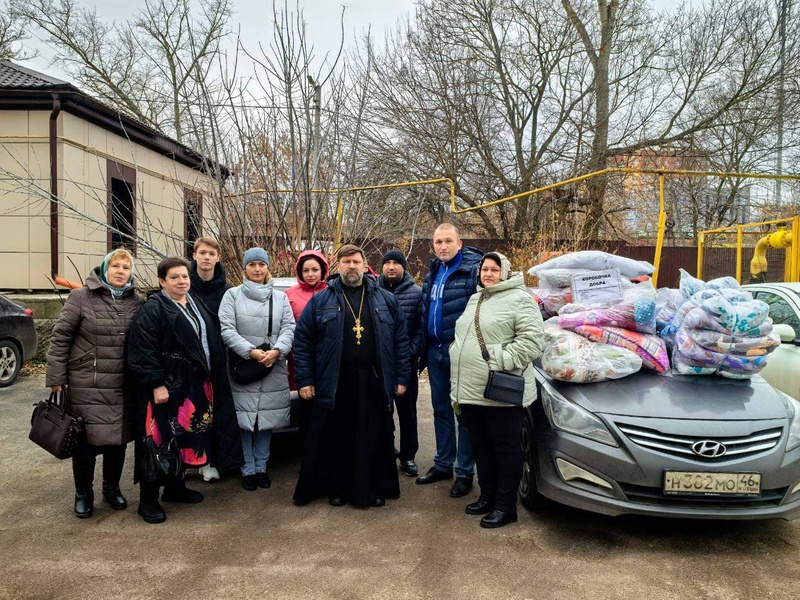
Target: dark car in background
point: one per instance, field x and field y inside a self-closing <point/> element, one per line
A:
<point x="17" y="339"/>
<point x="667" y="446"/>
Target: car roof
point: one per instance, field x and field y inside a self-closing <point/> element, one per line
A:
<point x="790" y="286"/>
<point x="8" y="302"/>
<point x="284" y="283"/>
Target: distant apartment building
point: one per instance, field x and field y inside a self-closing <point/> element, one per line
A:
<point x="688" y="198"/>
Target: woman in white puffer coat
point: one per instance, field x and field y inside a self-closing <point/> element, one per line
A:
<point x="263" y="405"/>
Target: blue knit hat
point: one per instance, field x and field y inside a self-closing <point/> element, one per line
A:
<point x="255" y="254"/>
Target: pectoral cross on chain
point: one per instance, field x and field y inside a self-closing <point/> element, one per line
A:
<point x="358" y="329"/>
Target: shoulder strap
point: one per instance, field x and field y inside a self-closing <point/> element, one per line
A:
<point x="481" y="343"/>
<point x="269" y="327"/>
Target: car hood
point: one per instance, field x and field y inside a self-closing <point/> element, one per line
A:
<point x="707" y="397"/>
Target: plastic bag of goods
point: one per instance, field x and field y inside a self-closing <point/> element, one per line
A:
<point x="639" y="315"/>
<point x="595" y="260"/>
<point x="690" y="358"/>
<point x="738" y="345"/>
<point x="551" y="301"/>
<point x="670" y="303"/>
<point x="719" y="329"/>
<point x="571" y="357"/>
<point x="631" y="293"/>
<point x="668" y="300"/>
<point x="724" y="308"/>
<point x="650" y="348"/>
<point x="691" y="285"/>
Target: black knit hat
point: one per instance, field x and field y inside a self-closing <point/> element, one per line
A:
<point x="396" y="256"/>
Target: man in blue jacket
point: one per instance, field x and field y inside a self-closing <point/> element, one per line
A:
<point x="351" y="359"/>
<point x="395" y="278"/>
<point x="452" y="279"/>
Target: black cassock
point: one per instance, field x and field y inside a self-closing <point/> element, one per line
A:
<point x="349" y="451"/>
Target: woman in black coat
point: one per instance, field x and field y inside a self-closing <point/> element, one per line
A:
<point x="177" y="362"/>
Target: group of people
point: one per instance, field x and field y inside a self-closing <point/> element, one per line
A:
<point x="352" y="343"/>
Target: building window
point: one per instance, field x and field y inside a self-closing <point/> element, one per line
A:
<point x="121" y="183"/>
<point x="193" y="214"/>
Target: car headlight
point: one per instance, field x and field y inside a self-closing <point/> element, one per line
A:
<point x="568" y="416"/>
<point x="793" y="408"/>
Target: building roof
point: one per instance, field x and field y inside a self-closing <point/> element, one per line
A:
<point x="26" y="89"/>
<point x="16" y="76"/>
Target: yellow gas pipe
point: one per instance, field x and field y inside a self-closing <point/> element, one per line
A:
<point x="758" y="265"/>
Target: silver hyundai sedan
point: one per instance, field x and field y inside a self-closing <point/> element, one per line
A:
<point x="668" y="446"/>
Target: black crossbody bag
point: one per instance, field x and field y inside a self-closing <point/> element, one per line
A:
<point x="502" y="385"/>
<point x="248" y="370"/>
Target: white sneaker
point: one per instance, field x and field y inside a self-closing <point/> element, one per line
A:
<point x="208" y="472"/>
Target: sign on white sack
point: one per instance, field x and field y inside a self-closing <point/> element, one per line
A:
<point x="596" y="286"/>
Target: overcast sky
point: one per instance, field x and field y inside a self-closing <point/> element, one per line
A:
<point x="255" y="17"/>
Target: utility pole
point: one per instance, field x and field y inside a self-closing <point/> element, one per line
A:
<point x="781" y="99"/>
<point x="313" y="152"/>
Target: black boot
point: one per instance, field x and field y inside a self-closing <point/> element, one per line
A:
<point x="113" y="462"/>
<point x="84" y="503"/>
<point x="114" y="497"/>
<point x="149" y="508"/>
<point x="83" y="472"/>
<point x="178" y="492"/>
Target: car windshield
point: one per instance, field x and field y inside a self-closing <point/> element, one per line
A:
<point x="780" y="311"/>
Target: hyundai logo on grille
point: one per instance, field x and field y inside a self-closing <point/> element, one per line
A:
<point x="709" y="449"/>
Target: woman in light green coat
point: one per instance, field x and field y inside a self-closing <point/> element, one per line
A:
<point x="511" y="327"/>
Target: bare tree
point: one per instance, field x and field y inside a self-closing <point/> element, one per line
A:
<point x="148" y="67"/>
<point x="486" y="101"/>
<point x="12" y="34"/>
<point x="704" y="76"/>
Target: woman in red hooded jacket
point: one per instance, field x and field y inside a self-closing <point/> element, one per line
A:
<point x="312" y="271"/>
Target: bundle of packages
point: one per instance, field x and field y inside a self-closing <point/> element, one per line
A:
<point x="629" y="324"/>
<point x="570" y="357"/>
<point x="669" y="301"/>
<point x="718" y="329"/>
<point x="555" y="276"/>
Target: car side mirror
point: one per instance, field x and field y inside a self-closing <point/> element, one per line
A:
<point x="785" y="332"/>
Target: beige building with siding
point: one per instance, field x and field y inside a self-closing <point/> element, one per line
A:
<point x="78" y="178"/>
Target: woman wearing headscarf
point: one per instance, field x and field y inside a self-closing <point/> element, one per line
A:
<point x="251" y="315"/>
<point x="511" y="327"/>
<point x="87" y="356"/>
<point x="312" y="274"/>
<point x="177" y="361"/>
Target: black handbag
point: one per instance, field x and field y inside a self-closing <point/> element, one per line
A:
<point x="160" y="464"/>
<point x="56" y="429"/>
<point x="502" y="385"/>
<point x="247" y="370"/>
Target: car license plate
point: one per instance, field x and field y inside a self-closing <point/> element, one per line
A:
<point x="712" y="484"/>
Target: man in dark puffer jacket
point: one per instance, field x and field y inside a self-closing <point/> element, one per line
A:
<point x="452" y="279"/>
<point x="409" y="296"/>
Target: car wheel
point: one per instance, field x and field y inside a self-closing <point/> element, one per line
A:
<point x="529" y="495"/>
<point x="10" y="362"/>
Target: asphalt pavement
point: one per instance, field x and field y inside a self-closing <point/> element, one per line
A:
<point x="239" y="544"/>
